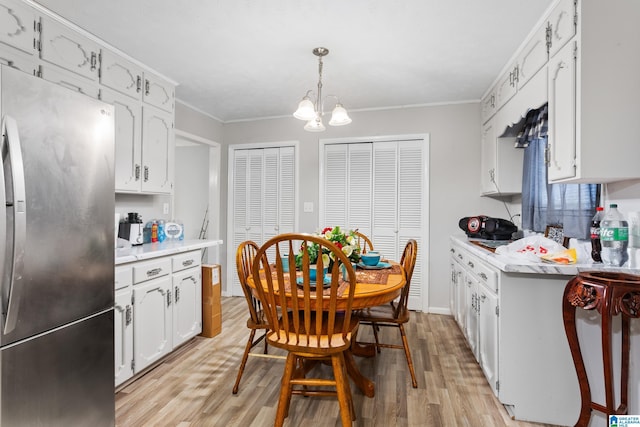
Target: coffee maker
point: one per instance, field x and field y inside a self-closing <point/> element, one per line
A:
<point x="131" y="229"/>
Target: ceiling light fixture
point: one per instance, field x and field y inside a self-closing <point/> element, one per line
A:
<point x="312" y="112"/>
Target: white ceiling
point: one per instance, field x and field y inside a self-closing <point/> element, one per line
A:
<point x="246" y="59"/>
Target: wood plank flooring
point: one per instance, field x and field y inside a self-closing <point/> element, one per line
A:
<point x="193" y="386"/>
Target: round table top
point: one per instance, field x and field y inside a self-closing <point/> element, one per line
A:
<point x="368" y="294"/>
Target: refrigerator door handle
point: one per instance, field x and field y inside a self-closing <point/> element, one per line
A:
<point x="16" y="200"/>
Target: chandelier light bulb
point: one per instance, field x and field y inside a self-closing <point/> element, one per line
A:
<point x="306" y="111"/>
<point x="315" y="125"/>
<point x="339" y="116"/>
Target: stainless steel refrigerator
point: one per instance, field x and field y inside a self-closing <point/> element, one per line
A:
<point x="56" y="255"/>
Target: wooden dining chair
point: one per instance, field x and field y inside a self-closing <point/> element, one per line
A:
<point x="395" y="314"/>
<point x="245" y="254"/>
<point x="364" y="243"/>
<point x="316" y="325"/>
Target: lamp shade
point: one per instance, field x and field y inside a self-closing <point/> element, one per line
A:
<point x="339" y="116"/>
<point x="315" y="125"/>
<point x="306" y="110"/>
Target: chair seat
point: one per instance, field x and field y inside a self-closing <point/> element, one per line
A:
<point x="334" y="343"/>
<point x="382" y="314"/>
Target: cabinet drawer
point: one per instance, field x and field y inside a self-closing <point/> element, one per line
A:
<point x="186" y="260"/>
<point x="487" y="275"/>
<point x="123" y="277"/>
<point x="151" y="269"/>
<point x="459" y="255"/>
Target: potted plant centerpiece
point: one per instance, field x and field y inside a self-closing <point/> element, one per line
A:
<point x="346" y="241"/>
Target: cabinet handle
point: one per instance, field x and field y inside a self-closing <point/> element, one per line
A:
<point x="470" y="264"/>
<point x="177" y="298"/>
<point x="511" y="78"/>
<point x="153" y="272"/>
<point x="138" y="84"/>
<point x="453" y="251"/>
<point x="547" y="155"/>
<point x="187" y="263"/>
<point x="94" y="61"/>
<point x="137" y="172"/>
<point x="146" y="173"/>
<point x="493" y="101"/>
<point x="516" y="75"/>
<point x="168" y="299"/>
<point x="146" y="87"/>
<point x="483" y="297"/>
<point x="484" y="276"/>
<point x="460" y="256"/>
<point x="127" y="315"/>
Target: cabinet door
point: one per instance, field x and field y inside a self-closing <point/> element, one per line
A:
<point x="187" y="309"/>
<point x="18" y="22"/>
<point x="385" y="199"/>
<point x="561" y="144"/>
<point x="157" y="150"/>
<point x="128" y="135"/>
<point x="68" y="49"/>
<point x="488" y="335"/>
<point x="562" y="25"/>
<point x="69" y="80"/>
<point x="123" y="323"/>
<point x="488" y="158"/>
<point x="488" y="105"/>
<point x="461" y="297"/>
<point x="153" y="326"/>
<point x="471" y="321"/>
<point x="533" y="57"/>
<point x="506" y="87"/>
<point x="18" y="60"/>
<point x="158" y="92"/>
<point x="120" y="74"/>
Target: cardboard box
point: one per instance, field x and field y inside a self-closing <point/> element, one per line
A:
<point x="211" y="303"/>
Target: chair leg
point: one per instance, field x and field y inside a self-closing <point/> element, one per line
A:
<point x="344" y="400"/>
<point x="375" y="328"/>
<point x="247" y="349"/>
<point x="285" y="390"/>
<point x="407" y="353"/>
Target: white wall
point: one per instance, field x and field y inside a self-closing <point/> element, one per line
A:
<point x="454" y="169"/>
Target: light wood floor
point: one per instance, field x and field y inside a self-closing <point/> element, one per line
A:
<point x="193" y="387"/>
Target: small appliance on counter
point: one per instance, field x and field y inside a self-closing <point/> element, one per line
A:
<point x="485" y="227"/>
<point x="131" y="229"/>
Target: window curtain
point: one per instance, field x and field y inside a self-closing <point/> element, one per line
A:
<point x="569" y="205"/>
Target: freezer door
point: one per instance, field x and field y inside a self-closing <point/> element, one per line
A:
<point x="58" y="187"/>
<point x="62" y="378"/>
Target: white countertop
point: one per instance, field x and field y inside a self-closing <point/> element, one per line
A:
<point x="154" y="250"/>
<point x="508" y="265"/>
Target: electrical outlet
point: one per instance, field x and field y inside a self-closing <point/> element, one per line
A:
<point x="165" y="208"/>
<point x="308" y="206"/>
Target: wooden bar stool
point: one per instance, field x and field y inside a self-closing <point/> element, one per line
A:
<point x="610" y="293"/>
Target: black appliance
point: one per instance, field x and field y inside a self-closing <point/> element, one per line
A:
<point x="488" y="228"/>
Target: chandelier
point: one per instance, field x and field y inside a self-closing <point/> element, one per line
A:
<point x="312" y="112"/>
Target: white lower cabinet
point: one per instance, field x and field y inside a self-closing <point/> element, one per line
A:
<point x="123" y="323"/>
<point x="513" y="324"/>
<point x="157" y="311"/>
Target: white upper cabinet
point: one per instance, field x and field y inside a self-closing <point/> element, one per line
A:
<point x="507" y="86"/>
<point x="158" y="92"/>
<point x="120" y="74"/>
<point x="532" y="58"/>
<point x="488" y="106"/>
<point x="69" y="80"/>
<point x="561" y="25"/>
<point x="18" y="26"/>
<point x="66" y="48"/>
<point x="593" y="97"/>
<point x="157" y="150"/>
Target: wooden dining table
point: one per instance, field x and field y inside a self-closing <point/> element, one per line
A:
<point x="373" y="287"/>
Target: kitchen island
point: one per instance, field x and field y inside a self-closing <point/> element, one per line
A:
<point x="158" y="302"/>
<point x="511" y="314"/>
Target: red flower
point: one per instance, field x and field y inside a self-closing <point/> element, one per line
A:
<point x="327" y="229"/>
<point x="339" y="245"/>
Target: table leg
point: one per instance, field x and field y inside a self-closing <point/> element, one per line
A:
<point x="363" y="383"/>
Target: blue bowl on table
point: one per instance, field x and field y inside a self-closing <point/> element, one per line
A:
<point x="370" y="258"/>
<point x="313" y="275"/>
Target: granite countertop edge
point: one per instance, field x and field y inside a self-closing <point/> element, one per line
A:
<point x="155" y="250"/>
<point x="507" y="265"/>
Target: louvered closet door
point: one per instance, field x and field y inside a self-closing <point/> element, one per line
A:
<point x="334" y="202"/>
<point x="410" y="202"/>
<point x="385" y="199"/>
<point x="264" y="198"/>
<point x="347" y="186"/>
